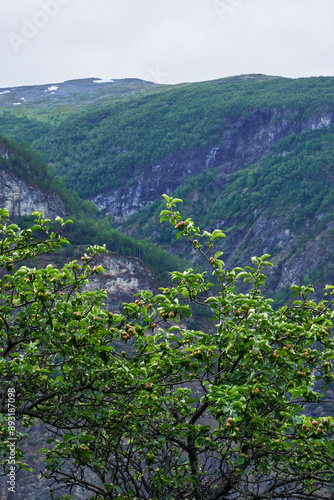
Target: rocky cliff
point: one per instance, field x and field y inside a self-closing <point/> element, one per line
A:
<point x="245" y="140"/>
<point x="21" y="198"/>
<point x="18" y="193"/>
<point x="123" y="277"/>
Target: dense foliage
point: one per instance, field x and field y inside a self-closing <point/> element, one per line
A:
<point x="97" y="149"/>
<point x="143" y="407"/>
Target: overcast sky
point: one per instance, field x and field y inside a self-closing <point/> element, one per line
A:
<point x="165" y="41"/>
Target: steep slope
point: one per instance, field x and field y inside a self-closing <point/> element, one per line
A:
<point x="27" y="184"/>
<point x="252" y="154"/>
<point x="229" y="121"/>
<point x="244" y="141"/>
<point x="23" y="183"/>
<point x="282" y="205"/>
<point x="183" y="129"/>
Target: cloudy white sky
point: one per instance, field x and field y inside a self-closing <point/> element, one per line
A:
<point x="166" y="41"/>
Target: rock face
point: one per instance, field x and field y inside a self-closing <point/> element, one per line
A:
<point x="293" y="261"/>
<point x="21" y="198"/>
<point x="244" y="141"/>
<point x="162" y="177"/>
<point x="123" y="277"/>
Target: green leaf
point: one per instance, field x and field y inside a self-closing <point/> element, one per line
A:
<point x="190" y="401"/>
<point x="241" y="275"/>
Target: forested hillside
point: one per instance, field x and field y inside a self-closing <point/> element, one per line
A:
<point x="251" y="153"/>
<point x="22" y="164"/>
<point x="96" y="148"/>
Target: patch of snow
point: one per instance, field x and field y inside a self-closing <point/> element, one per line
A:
<point x="16" y="103"/>
<point x="103" y="81"/>
<point x="51" y="88"/>
<point x="5" y="92"/>
<point x="23" y="98"/>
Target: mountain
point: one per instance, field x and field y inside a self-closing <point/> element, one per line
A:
<point x="20" y="194"/>
<point x="251" y="154"/>
<point x="57" y="99"/>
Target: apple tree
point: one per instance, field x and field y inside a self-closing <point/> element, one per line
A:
<point x="142" y="407"/>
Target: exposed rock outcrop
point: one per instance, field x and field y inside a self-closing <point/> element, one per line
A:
<point x="123" y="277"/>
<point x="21" y="198"/>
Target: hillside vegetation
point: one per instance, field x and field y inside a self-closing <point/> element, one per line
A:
<point x="96" y="148"/>
<point x="88" y="226"/>
<point x="263" y="153"/>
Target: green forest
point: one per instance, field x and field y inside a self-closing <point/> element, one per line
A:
<point x="91" y="149"/>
